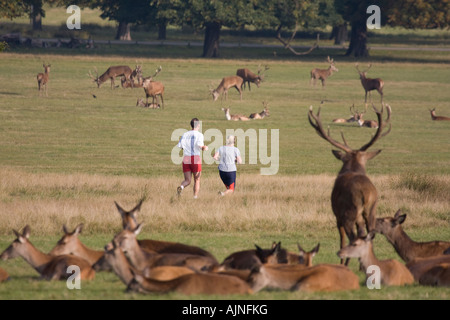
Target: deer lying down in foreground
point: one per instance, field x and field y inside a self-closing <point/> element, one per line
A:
<point x="437" y="118"/>
<point x="438" y="275"/>
<point x="407" y="248"/>
<point x="129" y="221"/>
<point x="49" y="267"/>
<point x="234" y="117"/>
<point x="4" y="276"/>
<point x="393" y="273"/>
<point x="420" y="266"/>
<point x="322" y="277"/>
<point x="140" y="103"/>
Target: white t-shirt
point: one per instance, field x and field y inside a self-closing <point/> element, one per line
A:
<point x="227" y="158"/>
<point x="191" y="142"/>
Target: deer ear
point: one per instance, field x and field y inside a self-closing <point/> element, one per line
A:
<point x="79" y="228"/>
<point x="400" y="219"/>
<point x="372" y="154"/>
<point x="316" y="248"/>
<point x="370" y="236"/>
<point x="338" y="154"/>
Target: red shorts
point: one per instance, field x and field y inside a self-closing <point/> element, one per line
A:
<point x="192" y="164"/>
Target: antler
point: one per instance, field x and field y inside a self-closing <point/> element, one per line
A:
<point x="357" y="68"/>
<point x="321" y="132"/>
<point x="157" y="71"/>
<point x="381" y="126"/>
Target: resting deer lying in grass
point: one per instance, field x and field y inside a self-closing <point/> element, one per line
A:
<point x="225" y="85"/>
<point x="323" y="74"/>
<point x="141" y="258"/>
<point x="438" y="276"/>
<point x="407" y="248"/>
<point x="353" y="118"/>
<point x="437" y="118"/>
<point x="234" y="117"/>
<point x="354" y="197"/>
<point x="262" y="114"/>
<point x="392" y="272"/>
<point x="71" y="244"/>
<point x="323" y="277"/>
<point x="49" y="267"/>
<point x="129" y="221"/>
<point x="420" y="266"/>
<point x="140" y="103"/>
<point x="4" y="276"/>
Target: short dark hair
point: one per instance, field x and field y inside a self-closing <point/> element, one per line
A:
<point x="194" y="122"/>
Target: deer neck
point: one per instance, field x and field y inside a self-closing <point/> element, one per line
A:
<point x="92" y="256"/>
<point x="368" y="258"/>
<point x="36" y="258"/>
<point x="228" y="116"/>
<point x="401" y="242"/>
<point x="139" y="258"/>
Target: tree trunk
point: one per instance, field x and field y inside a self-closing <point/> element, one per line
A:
<point x="340" y="34"/>
<point x="123" y="31"/>
<point x="162" y="28"/>
<point x="358" y="40"/>
<point x="36" y="17"/>
<point x="211" y="42"/>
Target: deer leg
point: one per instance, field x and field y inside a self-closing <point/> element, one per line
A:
<point x="342" y="236"/>
<point x="162" y="102"/>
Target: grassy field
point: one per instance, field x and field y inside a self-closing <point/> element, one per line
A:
<point x="65" y="158"/>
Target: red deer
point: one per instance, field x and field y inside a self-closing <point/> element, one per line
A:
<point x="49" y="267"/>
<point x="140" y="103"/>
<point x="392" y="272"/>
<point x="43" y="78"/>
<point x="262" y="114"/>
<point x="323" y="74"/>
<point x="438" y="275"/>
<point x="407" y="248"/>
<point x="4" y="276"/>
<point x="354" y="197"/>
<point x="365" y="123"/>
<point x="437" y="118"/>
<point x="225" y="84"/>
<point x="305" y="257"/>
<point x="353" y="118"/>
<point x="370" y="84"/>
<point x="420" y="266"/>
<point x="322" y="277"/>
<point x="234" y="117"/>
<point x="136" y="74"/>
<point x="71" y="244"/>
<point x="153" y="88"/>
<point x="129" y="221"/>
<point x="112" y="73"/>
<point x="249" y="76"/>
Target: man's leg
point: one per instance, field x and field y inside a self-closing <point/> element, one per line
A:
<point x="196" y="183"/>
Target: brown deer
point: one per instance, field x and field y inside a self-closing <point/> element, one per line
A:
<point x="140" y="103"/>
<point x="392" y="272"/>
<point x="112" y="73"/>
<point x="370" y="84"/>
<point x="322" y="277"/>
<point x="249" y="76"/>
<point x="153" y="88"/>
<point x="354" y="197"/>
<point x="305" y="257"/>
<point x="353" y="118"/>
<point x="262" y="114"/>
<point x="420" y="266"/>
<point x="43" y="78"/>
<point x="49" y="267"/>
<point x="407" y="248"/>
<point x="365" y="123"/>
<point x="71" y="244"/>
<point x="129" y="221"/>
<point x="323" y="74"/>
<point x="4" y="275"/>
<point x="136" y="74"/>
<point x="438" y="275"/>
<point x="234" y="117"/>
<point x="225" y="85"/>
<point x="141" y="258"/>
<point x="437" y="118"/>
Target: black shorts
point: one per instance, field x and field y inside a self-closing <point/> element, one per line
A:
<point x="228" y="179"/>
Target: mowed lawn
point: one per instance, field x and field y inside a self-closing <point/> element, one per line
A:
<point x="65" y="158"/>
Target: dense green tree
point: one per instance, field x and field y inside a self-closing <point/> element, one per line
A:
<point x="12" y="9"/>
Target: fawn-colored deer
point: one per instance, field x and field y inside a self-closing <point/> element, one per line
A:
<point x="43" y="78"/>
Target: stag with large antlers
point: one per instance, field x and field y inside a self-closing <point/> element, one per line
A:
<point x="323" y="74"/>
<point x="249" y="76"/>
<point x="111" y="73"/>
<point x="370" y="84"/>
<point x="354" y="197"/>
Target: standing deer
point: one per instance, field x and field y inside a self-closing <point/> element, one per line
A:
<point x="43" y="78"/>
<point x="153" y="88"/>
<point x="234" y="117"/>
<point x="249" y="76"/>
<point x="112" y="73"/>
<point x="370" y="84"/>
<point x="407" y="248"/>
<point x="323" y="74"/>
<point x="392" y="272"/>
<point x="49" y="267"/>
<point x="437" y="118"/>
<point x="262" y="114"/>
<point x="354" y="197"/>
<point x="225" y="84"/>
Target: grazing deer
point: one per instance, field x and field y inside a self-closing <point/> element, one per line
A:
<point x="234" y="117"/>
<point x="249" y="76"/>
<point x="129" y="221"/>
<point x="49" y="267"/>
<point x="322" y="277"/>
<point x="420" y="266"/>
<point x="370" y="84"/>
<point x="153" y="88"/>
<point x="71" y="244"/>
<point x="392" y="272"/>
<point x="407" y="248"/>
<point x="225" y="84"/>
<point x="437" y="118"/>
<point x="262" y="114"/>
<point x="140" y="103"/>
<point x="43" y="78"/>
<point x="323" y="74"/>
<point x="141" y="258"/>
<point x="354" y="197"/>
<point x="112" y="73"/>
<point x="4" y="276"/>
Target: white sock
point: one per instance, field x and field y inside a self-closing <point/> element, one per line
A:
<point x="181" y="187"/>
